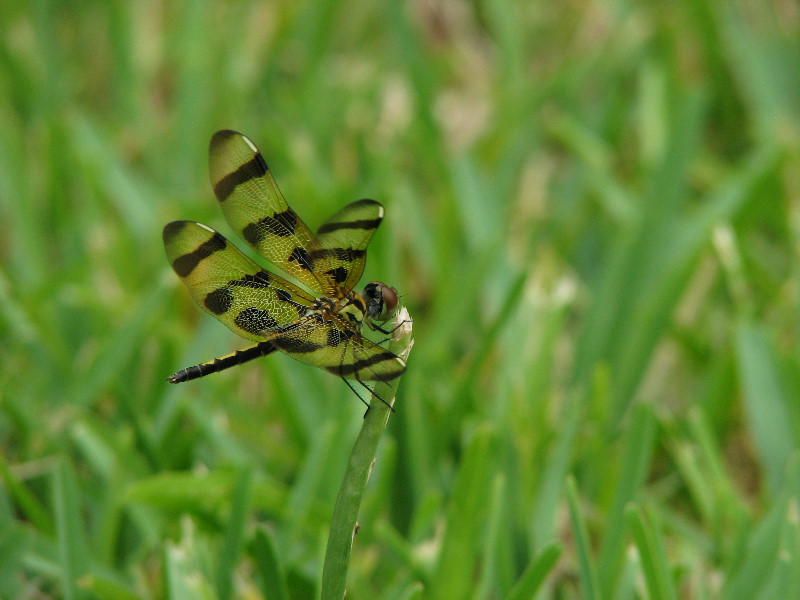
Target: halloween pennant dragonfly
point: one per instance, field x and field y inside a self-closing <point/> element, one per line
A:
<point x="324" y="329"/>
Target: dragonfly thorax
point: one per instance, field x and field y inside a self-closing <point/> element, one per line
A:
<point x="378" y="303"/>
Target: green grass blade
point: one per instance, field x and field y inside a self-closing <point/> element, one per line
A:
<point x="27" y="502"/>
<point x="466" y="515"/>
<point x="234" y="533"/>
<point x="590" y="587"/>
<point x="104" y="588"/>
<point x="495" y="557"/>
<point x="16" y="543"/>
<point x="359" y="466"/>
<point x="766" y="402"/>
<point x="535" y="573"/>
<point x="750" y="574"/>
<point x="787" y="576"/>
<point x="636" y="459"/>
<point x="183" y="577"/>
<point x="345" y="511"/>
<point x="554" y="471"/>
<point x="72" y="548"/>
<point x="652" y="554"/>
<point x="268" y="564"/>
<point x="414" y="591"/>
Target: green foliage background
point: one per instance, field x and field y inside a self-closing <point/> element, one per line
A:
<point x="593" y="213"/>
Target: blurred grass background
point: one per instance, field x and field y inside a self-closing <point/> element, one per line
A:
<point x="593" y="214"/>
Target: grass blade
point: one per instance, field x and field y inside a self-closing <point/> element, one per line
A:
<point x="590" y="588"/>
<point x="532" y="579"/>
<point x="359" y="466"/>
<point x="268" y="564"/>
<point x="653" y="558"/>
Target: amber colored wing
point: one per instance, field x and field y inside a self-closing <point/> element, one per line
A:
<point x="337" y="347"/>
<point x="251" y="301"/>
<point x="255" y="208"/>
<point x="345" y="237"/>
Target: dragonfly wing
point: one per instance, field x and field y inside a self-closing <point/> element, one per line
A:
<point x="338" y="348"/>
<point x="229" y="286"/>
<point x="256" y="210"/>
<point x="345" y="237"/>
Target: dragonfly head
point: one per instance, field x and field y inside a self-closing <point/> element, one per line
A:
<point x="381" y="301"/>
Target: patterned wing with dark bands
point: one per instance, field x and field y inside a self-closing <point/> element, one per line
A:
<point x="226" y="284"/>
<point x="334" y="345"/>
<point x="345" y="237"/>
<point x="256" y="210"/>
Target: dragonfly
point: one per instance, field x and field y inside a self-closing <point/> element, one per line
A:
<point x="322" y="328"/>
